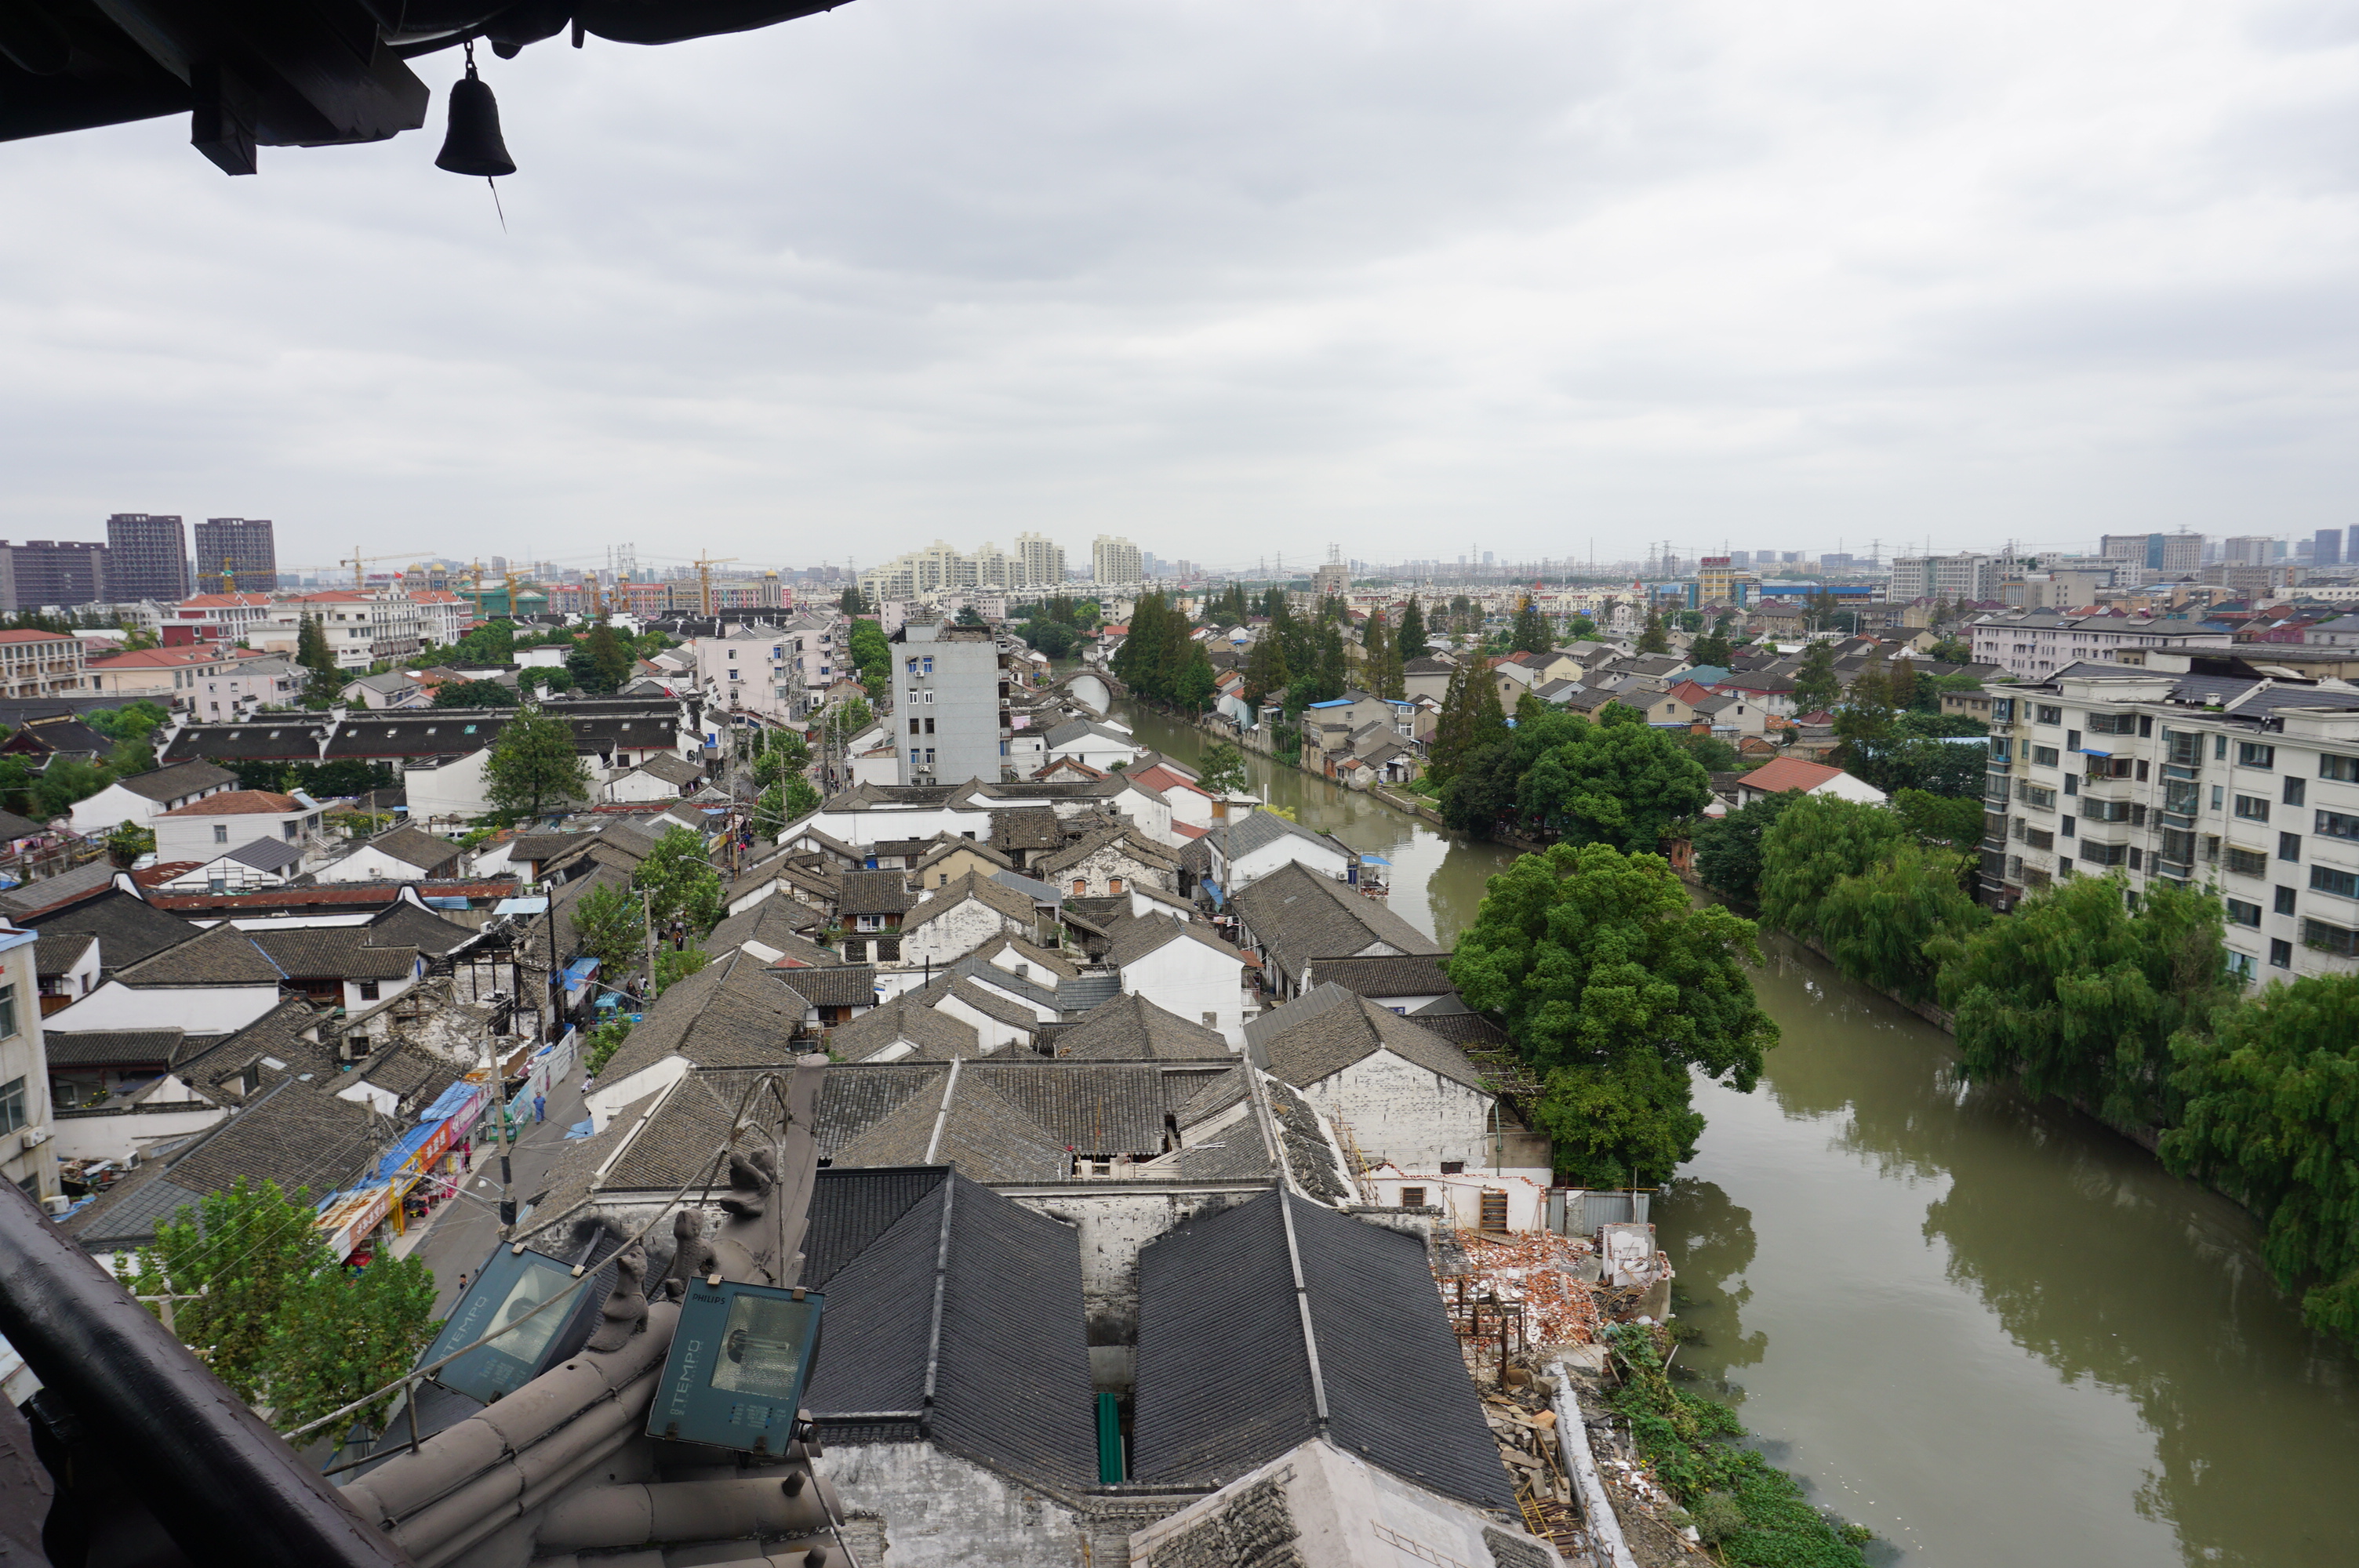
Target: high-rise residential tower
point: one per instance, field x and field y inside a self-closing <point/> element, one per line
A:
<point x="1040" y="562"/>
<point x="241" y="549"/>
<point x="1114" y="560"/>
<point x="948" y="699"/>
<point x="2326" y="548"/>
<point x="147" y="558"/>
<point x="43" y="573"/>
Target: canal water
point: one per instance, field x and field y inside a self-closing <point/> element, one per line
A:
<point x="1994" y="1333"/>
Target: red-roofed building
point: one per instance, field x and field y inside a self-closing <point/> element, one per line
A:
<point x="1790" y="774"/>
<point x="205" y="829"/>
<point x="166" y="677"/>
<point x="42" y="664"/>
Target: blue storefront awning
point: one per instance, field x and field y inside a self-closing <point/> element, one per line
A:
<point x="579" y="971"/>
<point x="401" y="1152"/>
<point x="452" y="1101"/>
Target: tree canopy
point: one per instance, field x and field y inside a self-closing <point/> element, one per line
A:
<point x="1222" y="769"/>
<point x="681" y="882"/>
<point x="1881" y="926"/>
<point x="872" y="655"/>
<point x="2271" y="1117"/>
<point x="1618" y="781"/>
<point x="273" y="1315"/>
<point x="1613" y="987"/>
<point x="1412" y="642"/>
<point x="1815" y="842"/>
<point x="600" y="662"/>
<point x="1530" y="634"/>
<point x="1816" y="685"/>
<point x="474" y="694"/>
<point x="1728" y="848"/>
<point x="2079" y="995"/>
<point x="610" y="926"/>
<point x="533" y="766"/>
<point x="1471" y="718"/>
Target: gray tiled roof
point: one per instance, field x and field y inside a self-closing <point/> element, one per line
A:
<point x="1133" y="1029"/>
<point x="776" y="922"/>
<point x="414" y="847"/>
<point x="1092" y="1108"/>
<point x="874" y="892"/>
<point x="177" y="780"/>
<point x="1027" y="829"/>
<point x="1135" y="940"/>
<point x="128" y="929"/>
<point x="986" y="890"/>
<point x="46" y="893"/>
<point x="334" y="952"/>
<point x="1119" y="836"/>
<point x="404" y="925"/>
<point x="937" y="1036"/>
<point x="733" y="1013"/>
<point x="55" y="952"/>
<point x="1296" y="915"/>
<point x="298" y="1135"/>
<point x="991" y="1004"/>
<point x="267" y="855"/>
<point x="1007" y="1343"/>
<point x="224" y="956"/>
<point x="110" y="1047"/>
<point x="1320" y="1033"/>
<point x="1405" y="974"/>
<point x="835" y="984"/>
<point x="1225" y="1377"/>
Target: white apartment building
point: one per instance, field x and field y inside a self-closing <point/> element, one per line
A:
<point x="362" y="624"/>
<point x="2034" y="646"/>
<point x="1973" y="577"/>
<point x="255" y="680"/>
<point x="2248" y="550"/>
<point x="2245" y="784"/>
<point x="24" y="1071"/>
<point x="1039" y="562"/>
<point x="780" y="671"/>
<point x="223" y="617"/>
<point x="1115" y="561"/>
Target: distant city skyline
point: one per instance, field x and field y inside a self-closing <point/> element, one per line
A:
<point x="1600" y="275"/>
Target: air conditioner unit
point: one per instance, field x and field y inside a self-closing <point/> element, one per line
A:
<point x="36" y="1136"/>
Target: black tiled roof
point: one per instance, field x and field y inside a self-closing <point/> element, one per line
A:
<point x="128" y="929"/>
<point x="1101" y="1108"/>
<point x="1297" y="914"/>
<point x="1031" y="829"/>
<point x="853" y="1099"/>
<point x="407" y="925"/>
<point x="111" y="1047"/>
<point x="1009" y="1350"/>
<point x="836" y="984"/>
<point x="852" y="1206"/>
<point x="274" y="740"/>
<point x="178" y="779"/>
<point x="1224" y="1378"/>
<point x="223" y="956"/>
<point x="55" y="952"/>
<point x="733" y="1013"/>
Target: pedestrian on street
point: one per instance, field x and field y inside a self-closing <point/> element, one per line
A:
<point x="539" y="1105"/>
<point x="463" y="1281"/>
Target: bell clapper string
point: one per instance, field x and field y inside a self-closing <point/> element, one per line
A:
<point x="495" y="203"/>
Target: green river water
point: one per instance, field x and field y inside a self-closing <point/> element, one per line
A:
<point x="1993" y="1332"/>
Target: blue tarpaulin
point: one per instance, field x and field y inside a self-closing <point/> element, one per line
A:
<point x="579" y="971"/>
<point x="399" y="1155"/>
<point x="517" y="905"/>
<point x="452" y="1101"/>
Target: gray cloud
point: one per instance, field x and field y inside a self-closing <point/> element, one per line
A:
<point x="1236" y="279"/>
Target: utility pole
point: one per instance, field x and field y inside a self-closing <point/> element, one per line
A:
<point x="500" y="1115"/>
<point x="647" y="911"/>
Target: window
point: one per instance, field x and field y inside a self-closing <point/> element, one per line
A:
<point x="913" y="727"/>
<point x="2072" y="785"/>
<point x="2219" y="797"/>
<point x="2280" y="953"/>
<point x="2071" y="740"/>
<point x="2337" y="824"/>
<point x="292" y="831"/>
<point x="2107" y="811"/>
<point x="2253" y="807"/>
<point x="2289" y="847"/>
<point x="2247" y="862"/>
<point x="11" y="1105"/>
<point x="221" y="832"/>
<point x="2219" y="748"/>
<point x="2342" y="770"/>
<point x="2048" y="715"/>
<point x="2242" y="914"/>
<point x="8" y="1013"/>
<point x="2065" y="828"/>
<point x="928" y="664"/>
<point x="2039" y="797"/>
<point x="930" y="726"/>
<point x="2253" y="754"/>
<point x="2285" y="900"/>
<point x="2293" y="789"/>
<point x="2177" y="846"/>
<point x="2342" y="884"/>
<point x="369" y="991"/>
<point x="2241" y="966"/>
<point x="2113" y="723"/>
<point x="1412" y="1197"/>
<point x="2002" y="749"/>
<point x="2044" y="756"/>
<point x="1212" y="1019"/>
<point x="913" y="666"/>
<point x="2039" y="839"/>
<point x="2325" y="938"/>
<point x="2105" y="854"/>
<point x="2183" y="748"/>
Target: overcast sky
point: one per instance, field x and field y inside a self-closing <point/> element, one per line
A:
<point x="1234" y="277"/>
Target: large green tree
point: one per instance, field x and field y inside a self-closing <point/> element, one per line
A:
<point x="601" y="662"/>
<point x="1882" y="925"/>
<point x="318" y="662"/>
<point x="1412" y="642"/>
<point x="2271" y="1117"/>
<point x="681" y="882"/>
<point x="1530" y="634"/>
<point x="610" y="926"/>
<point x="1614" y="988"/>
<point x="1728" y="848"/>
<point x="533" y="766"/>
<point x="273" y="1315"/>
<point x="1470" y="719"/>
<point x="872" y="655"/>
<point x="1266" y="670"/>
<point x="1654" y="639"/>
<point x="1817" y="841"/>
<point x="474" y="694"/>
<point x="1618" y="781"/>
<point x="1816" y="685"/>
<point x="1222" y="769"/>
<point x="2079" y="995"/>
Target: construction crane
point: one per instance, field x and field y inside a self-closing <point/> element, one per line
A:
<point x="357" y="561"/>
<point x="704" y="565"/>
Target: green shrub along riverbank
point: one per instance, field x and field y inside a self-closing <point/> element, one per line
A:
<point x="2117" y="1000"/>
<point x="1748" y="1511"/>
